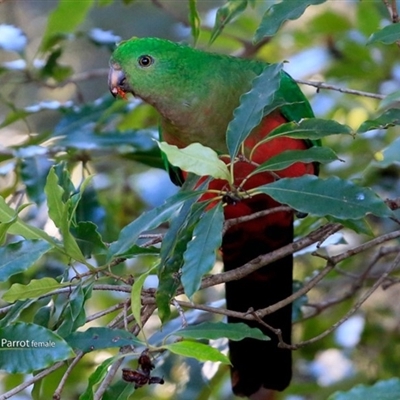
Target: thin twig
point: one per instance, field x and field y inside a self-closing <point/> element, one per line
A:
<point x="331" y="263"/>
<point x="67" y="373"/>
<point x="31" y="381"/>
<point x="115" y="366"/>
<point x="159" y="236"/>
<point x="261" y="313"/>
<point x="278" y="332"/>
<point x="302" y="291"/>
<point x="321" y="85"/>
<point x="234" y="221"/>
<point x="359" y="303"/>
<point x="6" y="309"/>
<point x="365" y="246"/>
<point x="351" y="291"/>
<point x="392" y="9"/>
<point x="125" y="313"/>
<point x="102" y="313"/>
<point x="265" y="311"/>
<point x="266" y="259"/>
<point x="98" y="395"/>
<point x="387" y="4"/>
<point x="181" y="313"/>
<point x="395" y="14"/>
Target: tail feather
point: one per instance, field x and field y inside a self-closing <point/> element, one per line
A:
<point x="260" y="364"/>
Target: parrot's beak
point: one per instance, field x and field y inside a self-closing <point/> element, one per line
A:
<point x="117" y="82"/>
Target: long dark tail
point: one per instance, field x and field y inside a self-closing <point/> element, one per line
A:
<point x="259" y="365"/>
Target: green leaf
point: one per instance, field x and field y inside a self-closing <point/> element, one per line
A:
<point x="172" y="250"/>
<point x="360" y="226"/>
<point x="168" y="272"/>
<point x="136" y="250"/>
<point x="35" y="288"/>
<point x="382" y="390"/>
<point x="26" y="348"/>
<point x="89" y="238"/>
<point x="196" y="158"/>
<point x="136" y="297"/>
<point x="390" y="101"/>
<point x="19" y="227"/>
<point x="322" y="155"/>
<point x="252" y="107"/>
<point x="180" y="220"/>
<point x="73" y="315"/>
<point x="82" y="128"/>
<point x="333" y="196"/>
<point x="18" y="257"/>
<point x="15" y="311"/>
<point x="194" y="20"/>
<point x="388" y="35"/>
<point x="34" y="171"/>
<point x="64" y="181"/>
<point x="5" y="226"/>
<point x="387" y="119"/>
<point x="149" y="220"/>
<point x="309" y="128"/>
<point x="200" y="255"/>
<point x="225" y="14"/>
<point x="199" y="351"/>
<point x="53" y="69"/>
<point x="43" y="315"/>
<point x="216" y="330"/>
<point x="119" y="390"/>
<point x="58" y="210"/>
<point x="278" y="13"/>
<point x="101" y="338"/>
<point x="96" y="377"/>
<point x="59" y="213"/>
<point x="64" y="19"/>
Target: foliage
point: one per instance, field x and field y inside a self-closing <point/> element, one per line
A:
<point x="83" y="243"/>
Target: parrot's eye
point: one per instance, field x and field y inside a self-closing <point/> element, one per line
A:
<point x="145" y="61"/>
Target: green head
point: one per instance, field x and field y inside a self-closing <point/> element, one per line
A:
<point x="152" y="68"/>
<point x="194" y="91"/>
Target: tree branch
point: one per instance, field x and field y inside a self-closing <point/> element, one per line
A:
<point x="322" y="85"/>
<point x="67" y="373"/>
<point x="257" y="263"/>
<point x="357" y="305"/>
<point x="234" y="221"/>
<point x="31" y="381"/>
<point x="114" y="368"/>
<point x="392" y="9"/>
<point x="357" y="284"/>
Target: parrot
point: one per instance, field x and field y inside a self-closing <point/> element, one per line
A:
<point x="195" y="93"/>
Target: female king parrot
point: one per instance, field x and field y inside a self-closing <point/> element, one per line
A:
<point x="196" y="92"/>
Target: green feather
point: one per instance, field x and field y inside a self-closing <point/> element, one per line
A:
<point x="196" y="92"/>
